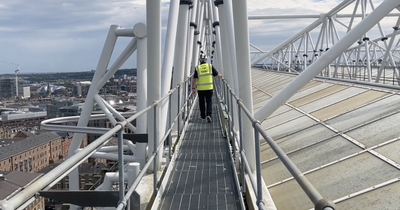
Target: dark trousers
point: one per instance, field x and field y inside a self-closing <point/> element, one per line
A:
<point x="205" y="98"/>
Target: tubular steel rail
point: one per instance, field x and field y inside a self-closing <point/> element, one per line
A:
<point x="29" y="194"/>
<point x="317" y="199"/>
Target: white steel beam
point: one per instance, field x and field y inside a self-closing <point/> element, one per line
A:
<point x="336" y="50"/>
<point x="89" y="103"/>
<point x="180" y="57"/>
<point x="140" y="31"/>
<point x="242" y="42"/>
<point x="153" y="17"/>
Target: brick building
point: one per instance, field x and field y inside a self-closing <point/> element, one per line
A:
<point x="31" y="154"/>
<point x="27" y="120"/>
<point x="34" y="153"/>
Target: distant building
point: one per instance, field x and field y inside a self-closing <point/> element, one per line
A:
<point x="27" y="92"/>
<point x="31" y="154"/>
<point x="51" y="89"/>
<point x="21" y="119"/>
<point x="12" y="181"/>
<point x="81" y="88"/>
<point x="34" y="153"/>
<point x="90" y="176"/>
<point x="66" y="111"/>
<point x="5" y="133"/>
<point x="8" y="87"/>
<point x="53" y="108"/>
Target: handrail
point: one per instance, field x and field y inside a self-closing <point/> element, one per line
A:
<point x="49" y="179"/>
<point x="317" y="199"/>
<point x="71" y="163"/>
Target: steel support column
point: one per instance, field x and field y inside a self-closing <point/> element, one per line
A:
<point x="153" y="13"/>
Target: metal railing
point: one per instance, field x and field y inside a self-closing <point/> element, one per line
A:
<point x="28" y="195"/>
<point x="45" y="182"/>
<point x="229" y="96"/>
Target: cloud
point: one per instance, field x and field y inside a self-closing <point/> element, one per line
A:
<point x="60" y="35"/>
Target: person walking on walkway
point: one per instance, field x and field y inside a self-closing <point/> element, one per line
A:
<point x="203" y="80"/>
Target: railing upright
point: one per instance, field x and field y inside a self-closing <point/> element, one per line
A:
<point x="155" y="152"/>
<point x="169" y="125"/>
<point x="241" y="149"/>
<point x="317" y="199"/>
<point x="178" y="109"/>
<point x="121" y="165"/>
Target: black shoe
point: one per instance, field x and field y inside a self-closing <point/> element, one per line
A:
<point x="209" y="119"/>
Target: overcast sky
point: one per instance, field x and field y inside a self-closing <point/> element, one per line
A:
<point x="68" y="35"/>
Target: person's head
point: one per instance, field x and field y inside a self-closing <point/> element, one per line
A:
<point x="203" y="59"/>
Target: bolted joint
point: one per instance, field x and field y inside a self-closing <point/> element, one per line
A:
<point x="121" y="124"/>
<point x="323" y="204"/>
<point x="239" y="101"/>
<point x="186" y="2"/>
<point x="256" y="122"/>
<point x="260" y="202"/>
<point x="216" y="23"/>
<point x="155" y="103"/>
<point x="218" y="2"/>
<point x="123" y="203"/>
<point x="194" y="25"/>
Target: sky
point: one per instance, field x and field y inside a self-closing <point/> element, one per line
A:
<point x="44" y="36"/>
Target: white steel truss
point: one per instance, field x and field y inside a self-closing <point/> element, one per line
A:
<point x="373" y="57"/>
<point x="335" y="45"/>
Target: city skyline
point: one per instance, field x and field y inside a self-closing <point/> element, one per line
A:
<point x="68" y="36"/>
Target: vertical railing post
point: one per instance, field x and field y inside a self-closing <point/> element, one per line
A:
<point x="185" y="87"/>
<point x="233" y="127"/>
<point x="226" y="94"/>
<point x="178" y="107"/>
<point x="169" y="126"/>
<point x="155" y="151"/>
<point x="241" y="149"/>
<point x="258" y="166"/>
<point x="121" y="165"/>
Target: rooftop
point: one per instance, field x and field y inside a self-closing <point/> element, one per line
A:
<point x="23" y="145"/>
<point x="343" y="136"/>
<point x="11" y="181"/>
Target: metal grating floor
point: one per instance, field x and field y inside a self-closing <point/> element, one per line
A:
<point x="202" y="177"/>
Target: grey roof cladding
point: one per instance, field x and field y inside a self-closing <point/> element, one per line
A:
<point x="15" y="180"/>
<point x="24" y="145"/>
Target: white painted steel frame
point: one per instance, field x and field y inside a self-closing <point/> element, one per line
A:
<point x="325" y="60"/>
<point x="359" y="64"/>
<point x="224" y="59"/>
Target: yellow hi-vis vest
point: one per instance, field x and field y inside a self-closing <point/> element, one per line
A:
<point x="205" y="78"/>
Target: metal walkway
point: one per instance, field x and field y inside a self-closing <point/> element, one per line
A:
<point x="202" y="177"/>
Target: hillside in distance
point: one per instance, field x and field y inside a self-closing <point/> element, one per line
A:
<point x="67" y="76"/>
